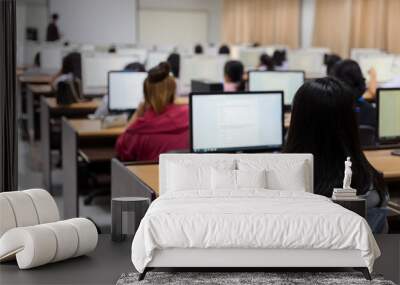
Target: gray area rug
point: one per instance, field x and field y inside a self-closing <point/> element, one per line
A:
<point x="273" y="278"/>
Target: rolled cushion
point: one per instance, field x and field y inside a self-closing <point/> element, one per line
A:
<point x="87" y="234"/>
<point x="46" y="207"/>
<point x="26" y="208"/>
<point x="7" y="218"/>
<point x="23" y="208"/>
<point x="37" y="245"/>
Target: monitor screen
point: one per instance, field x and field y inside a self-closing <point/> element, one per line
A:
<point x="125" y="90"/>
<point x="51" y="58"/>
<point x="389" y="114"/>
<point x="154" y="58"/>
<point x="95" y="69"/>
<point x="287" y="81"/>
<point x="311" y="61"/>
<point x="383" y="64"/>
<point x="250" y="57"/>
<point x="201" y="67"/>
<point x="230" y="122"/>
<point x="141" y="54"/>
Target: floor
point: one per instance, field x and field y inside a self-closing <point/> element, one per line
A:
<point x="103" y="266"/>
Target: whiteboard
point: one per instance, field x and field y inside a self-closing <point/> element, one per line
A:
<point x="99" y="22"/>
<point x="172" y="27"/>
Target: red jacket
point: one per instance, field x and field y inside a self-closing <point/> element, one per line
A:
<point x="153" y="134"/>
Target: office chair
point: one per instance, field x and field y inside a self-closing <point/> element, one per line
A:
<point x="367" y="135"/>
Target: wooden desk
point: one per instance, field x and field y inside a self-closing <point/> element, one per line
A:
<point x="30" y="76"/>
<point x="35" y="78"/>
<point x="92" y="129"/>
<point x="51" y="112"/>
<point x="383" y="161"/>
<point x="33" y="95"/>
<point x="80" y="134"/>
<point x="141" y="178"/>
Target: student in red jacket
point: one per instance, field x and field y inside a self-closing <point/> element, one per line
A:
<point x="158" y="125"/>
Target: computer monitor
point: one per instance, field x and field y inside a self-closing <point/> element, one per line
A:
<point x="388" y="109"/>
<point x="201" y="67"/>
<point x="287" y="81"/>
<point x="95" y="68"/>
<point x="125" y="90"/>
<point x="309" y="60"/>
<point x="154" y="58"/>
<point x="51" y="58"/>
<point x="140" y="53"/>
<point x="250" y="57"/>
<point x="383" y="64"/>
<point x="206" y="86"/>
<point x="235" y="122"/>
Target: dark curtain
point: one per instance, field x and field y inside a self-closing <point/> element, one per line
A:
<point x="8" y="124"/>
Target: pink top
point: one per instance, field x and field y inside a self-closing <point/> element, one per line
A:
<point x="153" y="134"/>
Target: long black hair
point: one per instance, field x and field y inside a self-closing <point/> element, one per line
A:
<point x="331" y="61"/>
<point x="72" y="63"/>
<point x="350" y="73"/>
<point x="324" y="123"/>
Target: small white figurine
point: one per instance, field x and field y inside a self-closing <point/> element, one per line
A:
<point x="347" y="174"/>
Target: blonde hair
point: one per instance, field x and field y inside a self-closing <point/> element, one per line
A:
<point x="159" y="88"/>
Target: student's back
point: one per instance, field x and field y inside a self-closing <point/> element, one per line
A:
<point x="350" y="73"/>
<point x="153" y="134"/>
<point x="324" y="124"/>
<point x="158" y="126"/>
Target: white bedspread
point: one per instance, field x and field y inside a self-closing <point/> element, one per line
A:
<point x="250" y="219"/>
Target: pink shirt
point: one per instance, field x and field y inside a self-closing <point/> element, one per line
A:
<point x="153" y="134"/>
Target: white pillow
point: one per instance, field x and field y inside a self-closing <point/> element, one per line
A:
<point x="184" y="175"/>
<point x="223" y="179"/>
<point x="282" y="174"/>
<point x="237" y="179"/>
<point x="251" y="178"/>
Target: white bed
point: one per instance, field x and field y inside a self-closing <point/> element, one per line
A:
<point x="247" y="210"/>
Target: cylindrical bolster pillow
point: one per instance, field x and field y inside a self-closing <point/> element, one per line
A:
<point x="7" y="219"/>
<point x="26" y="208"/>
<point x="46" y="207"/>
<point x="37" y="245"/>
<point x="23" y="208"/>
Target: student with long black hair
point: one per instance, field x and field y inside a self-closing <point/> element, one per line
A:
<point x="350" y="73"/>
<point x="67" y="82"/>
<point x="324" y="123"/>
